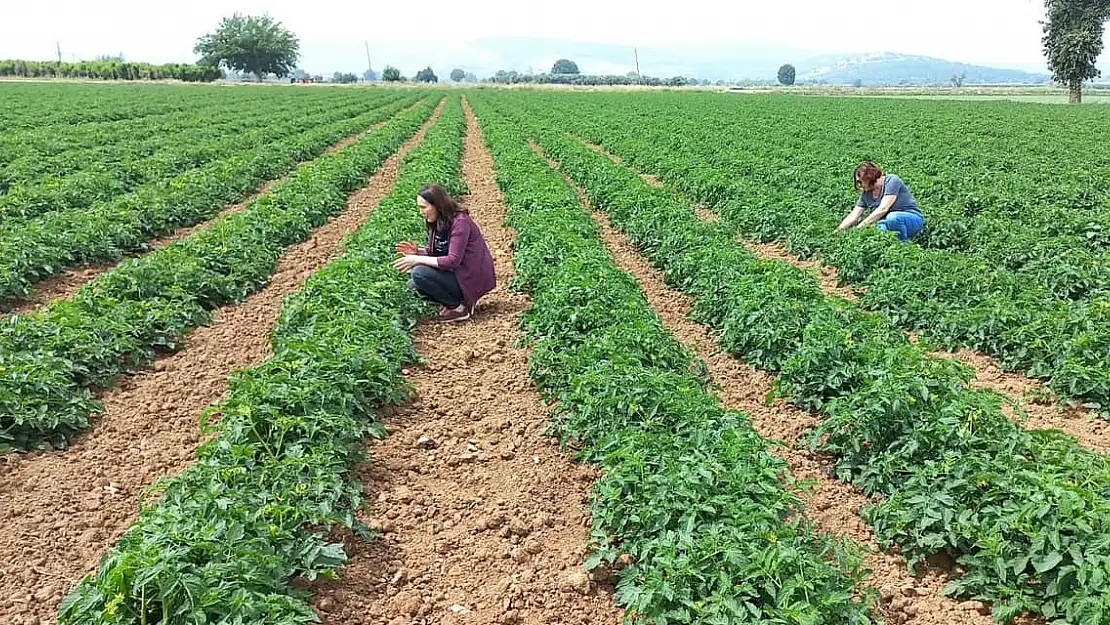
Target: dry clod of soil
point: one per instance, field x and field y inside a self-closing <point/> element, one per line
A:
<point x="578" y="582"/>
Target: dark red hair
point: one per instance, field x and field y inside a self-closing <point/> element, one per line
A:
<point x="446" y="206"/>
<point x="866" y="175"/>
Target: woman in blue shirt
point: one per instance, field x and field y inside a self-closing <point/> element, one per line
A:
<point x="886" y="201"/>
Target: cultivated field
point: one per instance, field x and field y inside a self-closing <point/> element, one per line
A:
<point x="689" y="399"/>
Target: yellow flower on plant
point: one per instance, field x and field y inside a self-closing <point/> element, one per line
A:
<point x="114" y="604"/>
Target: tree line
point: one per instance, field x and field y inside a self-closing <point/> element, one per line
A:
<point x="108" y="70"/>
<point x="513" y="77"/>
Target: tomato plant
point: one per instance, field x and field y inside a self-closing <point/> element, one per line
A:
<point x="690" y="493"/>
<point x="228" y="537"/>
<point x="1025" y="513"/>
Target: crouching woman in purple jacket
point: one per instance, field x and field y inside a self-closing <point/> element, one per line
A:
<point x="455" y="269"/>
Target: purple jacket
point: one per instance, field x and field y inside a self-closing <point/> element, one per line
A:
<point x="469" y="258"/>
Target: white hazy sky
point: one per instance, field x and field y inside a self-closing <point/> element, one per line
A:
<point x="1003" y="33"/>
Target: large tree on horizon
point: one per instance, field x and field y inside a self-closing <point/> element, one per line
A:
<point x="1073" y="31"/>
<point x="787" y="74"/>
<point x="564" y="66"/>
<point x="247" y="43"/>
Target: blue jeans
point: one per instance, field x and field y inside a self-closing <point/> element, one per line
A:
<point x="905" y="224"/>
<point x="437" y="285"/>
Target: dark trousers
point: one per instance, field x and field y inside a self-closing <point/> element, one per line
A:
<point x="437" y="285"/>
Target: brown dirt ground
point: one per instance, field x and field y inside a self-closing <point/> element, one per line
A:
<point x="62" y="511"/>
<point x="67" y="283"/>
<point x="485" y="520"/>
<point x="706" y="215"/>
<point x="1088" y="428"/>
<point x="833" y="505"/>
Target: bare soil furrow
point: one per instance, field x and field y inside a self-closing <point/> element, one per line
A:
<point x="833" y="505"/>
<point x="62" y="511"/>
<point x="1090" y="430"/>
<point x="483" y="519"/>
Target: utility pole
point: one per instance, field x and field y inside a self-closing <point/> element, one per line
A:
<point x="636" y="54"/>
<point x="58" y="44"/>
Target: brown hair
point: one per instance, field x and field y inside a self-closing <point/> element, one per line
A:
<point x="446" y="207"/>
<point x="867" y="173"/>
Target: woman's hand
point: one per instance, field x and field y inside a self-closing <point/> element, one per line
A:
<point x="408" y="248"/>
<point x="407" y="262"/>
<point x="881" y="212"/>
<point x="852" y="219"/>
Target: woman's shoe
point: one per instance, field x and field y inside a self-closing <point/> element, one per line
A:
<point x="462" y="313"/>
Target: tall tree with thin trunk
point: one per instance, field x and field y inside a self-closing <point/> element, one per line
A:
<point x="1073" y="40"/>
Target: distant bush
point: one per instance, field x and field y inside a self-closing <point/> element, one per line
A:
<point x="392" y="74"/>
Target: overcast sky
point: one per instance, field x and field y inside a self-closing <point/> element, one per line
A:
<point x="1003" y="33"/>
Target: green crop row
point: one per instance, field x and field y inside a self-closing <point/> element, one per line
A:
<point x="1025" y="513"/>
<point x="140" y="136"/>
<point x="103" y="115"/>
<point x="690" y="491"/>
<point x="1053" y="235"/>
<point x="956" y="300"/>
<point x="31" y="250"/>
<point x="194" y="143"/>
<point x="145" y="138"/>
<point x="31" y="106"/>
<point x="1071" y="266"/>
<point x="50" y="141"/>
<point x="229" y="535"/>
<point x="50" y="359"/>
<point x="982" y="170"/>
<point x="1048" y="236"/>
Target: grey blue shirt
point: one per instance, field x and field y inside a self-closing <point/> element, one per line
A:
<point x="892" y="185"/>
